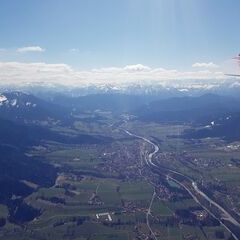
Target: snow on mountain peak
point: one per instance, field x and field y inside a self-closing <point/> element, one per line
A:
<point x="14" y="102"/>
<point x="3" y="98"/>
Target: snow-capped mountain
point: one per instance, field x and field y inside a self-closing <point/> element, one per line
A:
<point x="176" y="88"/>
<point x="17" y="99"/>
<point x="18" y="106"/>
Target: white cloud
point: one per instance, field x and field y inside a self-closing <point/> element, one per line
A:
<point x="73" y="50"/>
<point x="137" y="68"/>
<point x="205" y="65"/>
<point x="30" y="49"/>
<point x="23" y="73"/>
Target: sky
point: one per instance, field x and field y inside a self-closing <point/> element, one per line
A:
<point x="75" y="41"/>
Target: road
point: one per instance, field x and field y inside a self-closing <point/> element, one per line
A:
<point x="224" y="216"/>
<point x="149" y="213"/>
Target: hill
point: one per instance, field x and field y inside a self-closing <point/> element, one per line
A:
<point x="199" y="110"/>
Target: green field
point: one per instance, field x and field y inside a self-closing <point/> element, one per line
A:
<point x="68" y="211"/>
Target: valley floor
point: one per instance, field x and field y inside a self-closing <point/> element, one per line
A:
<point x="108" y="191"/>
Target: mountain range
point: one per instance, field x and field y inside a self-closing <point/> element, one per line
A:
<point x="161" y="89"/>
<point x="27" y="120"/>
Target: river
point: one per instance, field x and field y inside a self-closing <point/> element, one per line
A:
<point x="225" y="214"/>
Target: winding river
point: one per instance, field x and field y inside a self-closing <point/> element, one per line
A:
<point x="225" y="215"/>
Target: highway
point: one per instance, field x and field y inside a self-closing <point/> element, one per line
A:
<point x="194" y="191"/>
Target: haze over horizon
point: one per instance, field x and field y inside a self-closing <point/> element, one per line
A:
<point x="122" y="42"/>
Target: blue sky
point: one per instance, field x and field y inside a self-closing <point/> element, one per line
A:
<point x="87" y="34"/>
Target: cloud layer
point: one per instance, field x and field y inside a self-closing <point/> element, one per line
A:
<point x="22" y="73"/>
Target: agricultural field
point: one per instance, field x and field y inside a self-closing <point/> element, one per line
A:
<point x="105" y="191"/>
